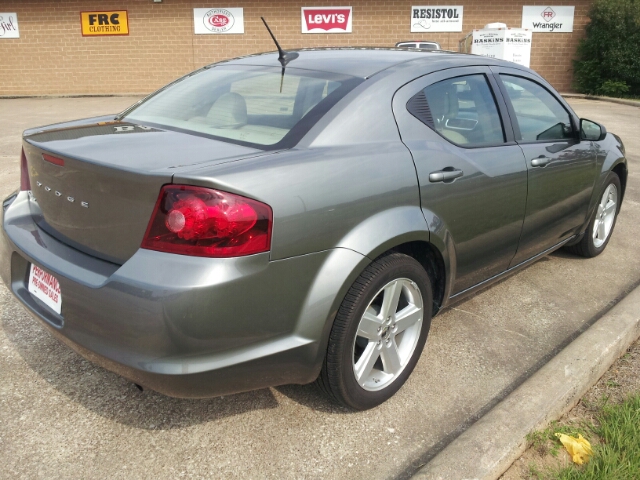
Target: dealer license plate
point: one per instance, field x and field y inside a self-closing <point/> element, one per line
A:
<point x="45" y="287"/>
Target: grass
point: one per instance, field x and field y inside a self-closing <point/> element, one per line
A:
<point x="616" y="447"/>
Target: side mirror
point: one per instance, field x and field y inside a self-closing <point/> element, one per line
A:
<point x="591" y="130"/>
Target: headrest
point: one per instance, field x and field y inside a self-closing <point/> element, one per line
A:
<point x="443" y="100"/>
<point x="228" y="111"/>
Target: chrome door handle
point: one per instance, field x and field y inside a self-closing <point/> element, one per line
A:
<point x="541" y="161"/>
<point x="445" y="175"/>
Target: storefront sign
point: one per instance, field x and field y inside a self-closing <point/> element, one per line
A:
<point x="443" y="18"/>
<point x="9" y="25"/>
<point x="104" y="23"/>
<point x="548" y="19"/>
<point x="512" y="44"/>
<point x="326" y="19"/>
<point x="517" y="46"/>
<point x="207" y="21"/>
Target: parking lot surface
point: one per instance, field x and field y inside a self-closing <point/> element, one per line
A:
<point x="61" y="416"/>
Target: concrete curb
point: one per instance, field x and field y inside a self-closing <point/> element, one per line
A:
<point x="493" y="443"/>
<point x="621" y="101"/>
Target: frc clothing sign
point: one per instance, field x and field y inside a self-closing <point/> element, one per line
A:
<point x="9" y="25"/>
<point x="436" y="19"/>
<point x="548" y="19"/>
<point x="326" y="20"/>
<point x="207" y="21"/>
<point x="104" y="23"/>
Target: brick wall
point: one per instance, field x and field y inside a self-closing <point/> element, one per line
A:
<point x="52" y="57"/>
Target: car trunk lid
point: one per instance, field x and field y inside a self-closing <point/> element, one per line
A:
<point x="95" y="185"/>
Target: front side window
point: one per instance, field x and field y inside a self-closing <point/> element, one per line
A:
<point x="461" y="109"/>
<point x="257" y="106"/>
<point x="540" y="116"/>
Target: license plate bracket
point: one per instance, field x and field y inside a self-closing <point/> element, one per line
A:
<point x="46" y="288"/>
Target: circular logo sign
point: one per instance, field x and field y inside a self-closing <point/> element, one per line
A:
<point x="218" y="20"/>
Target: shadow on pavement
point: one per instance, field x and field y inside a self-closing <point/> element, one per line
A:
<point x="311" y="397"/>
<point x="108" y="394"/>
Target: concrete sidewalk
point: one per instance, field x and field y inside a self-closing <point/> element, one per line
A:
<point x="492" y="444"/>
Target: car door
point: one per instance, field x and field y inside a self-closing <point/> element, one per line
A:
<point x="561" y="168"/>
<point x="472" y="175"/>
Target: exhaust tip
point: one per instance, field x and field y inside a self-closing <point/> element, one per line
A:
<point x="139" y="387"/>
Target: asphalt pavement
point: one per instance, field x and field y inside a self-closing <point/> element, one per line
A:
<point x="61" y="416"/>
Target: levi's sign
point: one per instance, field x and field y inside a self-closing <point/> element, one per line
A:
<point x="442" y="18"/>
<point x="326" y="20"/>
<point x="548" y="19"/>
<point x="104" y="23"/>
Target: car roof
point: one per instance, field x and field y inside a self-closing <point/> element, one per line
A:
<point x="364" y="62"/>
<point x="430" y="42"/>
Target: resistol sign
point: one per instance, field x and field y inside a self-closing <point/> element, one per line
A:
<point x="104" y="23"/>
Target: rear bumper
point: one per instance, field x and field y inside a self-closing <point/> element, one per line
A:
<point x="183" y="326"/>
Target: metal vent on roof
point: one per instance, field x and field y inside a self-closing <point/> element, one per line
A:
<point x="419" y="108"/>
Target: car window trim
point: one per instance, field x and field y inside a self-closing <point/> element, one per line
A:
<point x="442" y="75"/>
<point x="496" y="73"/>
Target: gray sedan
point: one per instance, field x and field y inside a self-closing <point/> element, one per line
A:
<point x="260" y="222"/>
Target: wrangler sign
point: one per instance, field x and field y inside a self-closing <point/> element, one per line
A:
<point x="549" y="19"/>
<point x="104" y="23"/>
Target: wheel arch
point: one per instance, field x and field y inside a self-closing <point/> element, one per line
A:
<point x="401" y="229"/>
<point x="620" y="169"/>
<point x="405" y="230"/>
<point x="432" y="261"/>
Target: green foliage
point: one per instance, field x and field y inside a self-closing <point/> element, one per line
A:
<point x="545" y="441"/>
<point x="608" y="60"/>
<point x="617" y="457"/>
<point x="612" y="88"/>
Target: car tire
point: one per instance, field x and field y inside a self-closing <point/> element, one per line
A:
<point x="603" y="220"/>
<point x="379" y="333"/>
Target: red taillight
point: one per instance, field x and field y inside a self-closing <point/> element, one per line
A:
<point x="25" y="184"/>
<point x="208" y="223"/>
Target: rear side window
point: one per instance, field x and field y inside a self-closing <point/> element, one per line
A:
<point x="461" y="109"/>
<point x="540" y="116"/>
<point x="256" y="106"/>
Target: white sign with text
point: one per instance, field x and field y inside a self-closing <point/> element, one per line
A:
<point x="215" y="21"/>
<point x="9" y="25"/>
<point x="548" y="19"/>
<point x="442" y="18"/>
<point x="512" y="44"/>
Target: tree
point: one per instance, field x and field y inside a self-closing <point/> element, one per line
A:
<point x="608" y="60"/>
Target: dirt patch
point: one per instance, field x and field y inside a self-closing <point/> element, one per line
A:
<point x="621" y="380"/>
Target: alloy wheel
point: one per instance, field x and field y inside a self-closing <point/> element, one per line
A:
<point x="387" y="334"/>
<point x="605" y="216"/>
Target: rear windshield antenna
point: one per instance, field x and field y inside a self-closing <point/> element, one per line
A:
<point x="285" y="57"/>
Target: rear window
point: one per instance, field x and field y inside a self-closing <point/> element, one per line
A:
<point x="254" y="106"/>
